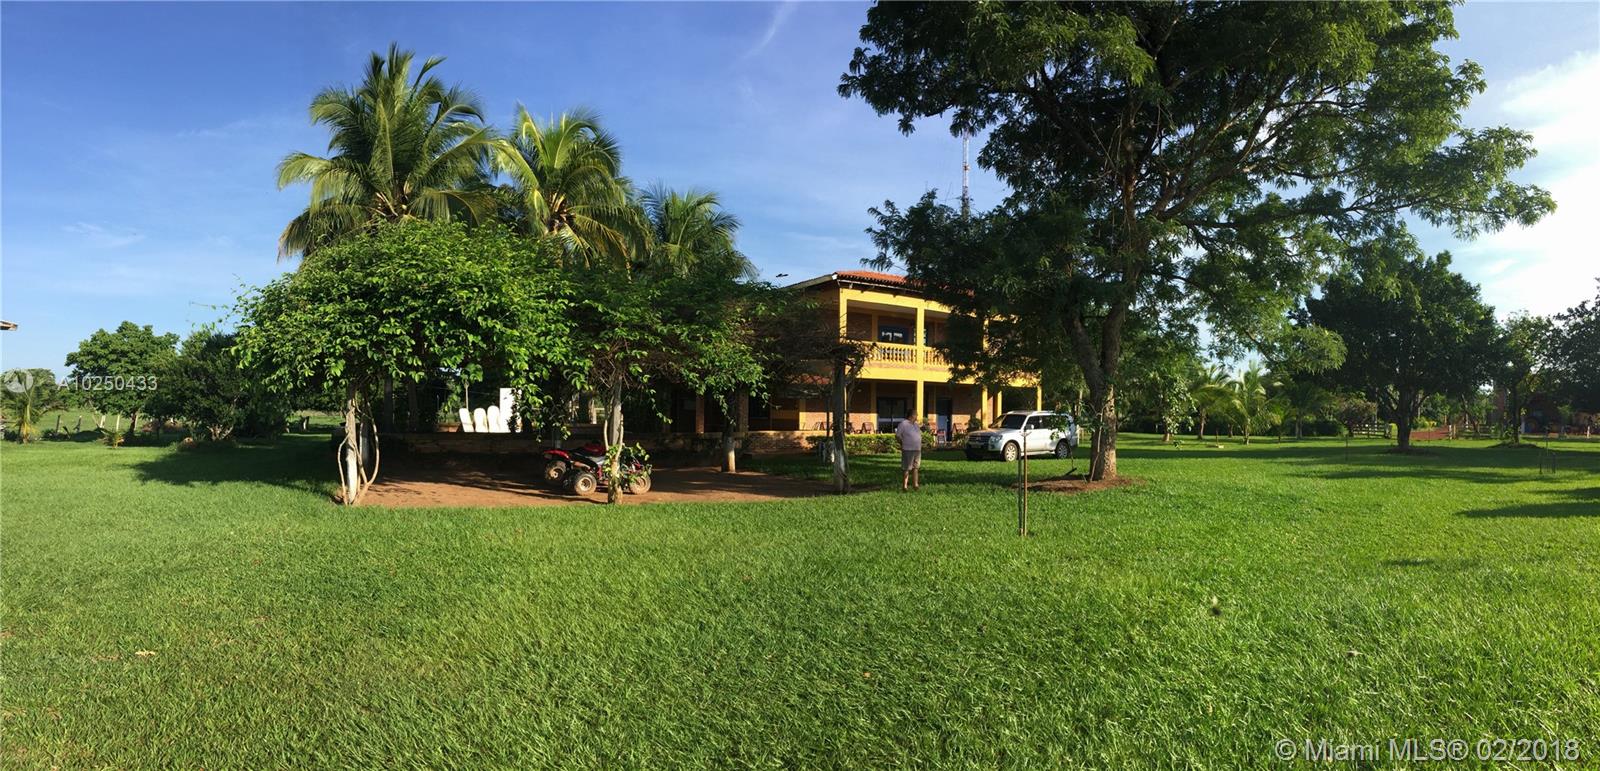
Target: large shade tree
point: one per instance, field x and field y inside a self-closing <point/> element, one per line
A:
<point x="1411" y="328"/>
<point x="1218" y="152"/>
<point x="117" y="372"/>
<point x="401" y="304"/>
<point x="404" y="146"/>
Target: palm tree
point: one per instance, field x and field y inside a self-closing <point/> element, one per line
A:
<point x="1208" y="388"/>
<point x="1303" y="399"/>
<point x="566" y="182"/>
<point x="690" y="231"/>
<point x="28" y="394"/>
<point x="1247" y="401"/>
<point x="403" y="146"/>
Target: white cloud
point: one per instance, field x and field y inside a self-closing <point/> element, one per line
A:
<point x="780" y="16"/>
<point x="102" y="237"/>
<point x="1551" y="265"/>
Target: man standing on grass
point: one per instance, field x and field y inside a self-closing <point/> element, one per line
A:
<point x="910" y="436"/>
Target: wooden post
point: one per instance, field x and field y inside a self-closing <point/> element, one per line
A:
<point x="1022" y="488"/>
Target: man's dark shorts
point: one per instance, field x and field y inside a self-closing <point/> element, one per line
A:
<point x="910" y="459"/>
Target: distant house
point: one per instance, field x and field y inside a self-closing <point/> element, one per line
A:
<point x="906" y="372"/>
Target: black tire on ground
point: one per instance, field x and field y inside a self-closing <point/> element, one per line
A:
<point x="1063" y="449"/>
<point x="1010" y="453"/>
<point x="554" y="472"/>
<point x="639" y="486"/>
<point x="583" y="482"/>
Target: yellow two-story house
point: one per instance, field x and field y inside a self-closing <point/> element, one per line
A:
<point x="905" y="374"/>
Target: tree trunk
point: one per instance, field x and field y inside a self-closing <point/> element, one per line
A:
<point x="1103" y="452"/>
<point x="613" y="438"/>
<point x="1297" y="433"/>
<point x="1200" y="434"/>
<point x="841" y="469"/>
<point x="1403" y="416"/>
<point x="350" y="450"/>
<point x="730" y="428"/>
<point x="1515" y="412"/>
<point x="133" y="427"/>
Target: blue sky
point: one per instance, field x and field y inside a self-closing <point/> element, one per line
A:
<point x="138" y="141"/>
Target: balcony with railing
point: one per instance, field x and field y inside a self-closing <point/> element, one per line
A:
<point x="887" y="359"/>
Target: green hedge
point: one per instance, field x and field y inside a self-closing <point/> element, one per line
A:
<point x="872" y="444"/>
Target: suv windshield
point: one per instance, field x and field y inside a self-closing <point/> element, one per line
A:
<point x="1012" y="421"/>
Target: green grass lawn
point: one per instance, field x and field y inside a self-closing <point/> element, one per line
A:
<point x="1362" y="597"/>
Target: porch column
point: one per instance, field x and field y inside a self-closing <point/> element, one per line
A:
<point x="872" y="402"/>
<point x="983" y="406"/>
<point x="844" y="316"/>
<point x="919" y="411"/>
<point x="1038" y="398"/>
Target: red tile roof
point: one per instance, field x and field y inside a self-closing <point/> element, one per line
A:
<point x="873" y="276"/>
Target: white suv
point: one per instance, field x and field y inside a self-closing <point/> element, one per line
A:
<point x="1033" y="432"/>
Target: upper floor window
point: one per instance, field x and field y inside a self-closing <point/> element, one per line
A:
<point x="894" y="333"/>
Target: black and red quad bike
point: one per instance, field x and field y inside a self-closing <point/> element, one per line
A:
<point x="558" y="462"/>
<point x="589" y="473"/>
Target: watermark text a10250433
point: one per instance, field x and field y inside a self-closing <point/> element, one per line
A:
<point x="19" y="380"/>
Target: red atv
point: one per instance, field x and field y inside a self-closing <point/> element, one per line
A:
<point x="588" y="472"/>
<point x="558" y="462"/>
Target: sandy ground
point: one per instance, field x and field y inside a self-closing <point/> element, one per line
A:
<point x="432" y="480"/>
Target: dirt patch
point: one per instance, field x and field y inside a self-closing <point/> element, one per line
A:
<point x="514" y="481"/>
<point x="1079" y="485"/>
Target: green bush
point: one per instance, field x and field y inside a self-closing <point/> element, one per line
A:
<point x="872" y="444"/>
<point x="207" y="388"/>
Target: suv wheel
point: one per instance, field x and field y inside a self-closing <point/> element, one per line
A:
<point x="1011" y="452"/>
<point x="1063" y="449"/>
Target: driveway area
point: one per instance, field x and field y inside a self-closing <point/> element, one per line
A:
<point x="462" y="480"/>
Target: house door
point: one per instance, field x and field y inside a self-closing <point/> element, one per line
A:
<point x="942" y="410"/>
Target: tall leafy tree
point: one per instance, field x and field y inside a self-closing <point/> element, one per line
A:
<point x="566" y="183"/>
<point x="403" y="303"/>
<point x="206" y="387"/>
<point x="1214" y="152"/>
<point x="1410" y="325"/>
<point x="404" y="146"/>
<point x="118" y="372"/>
<point x="1520" y="365"/>
<point x="1575" y="355"/>
<point x="674" y="311"/>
